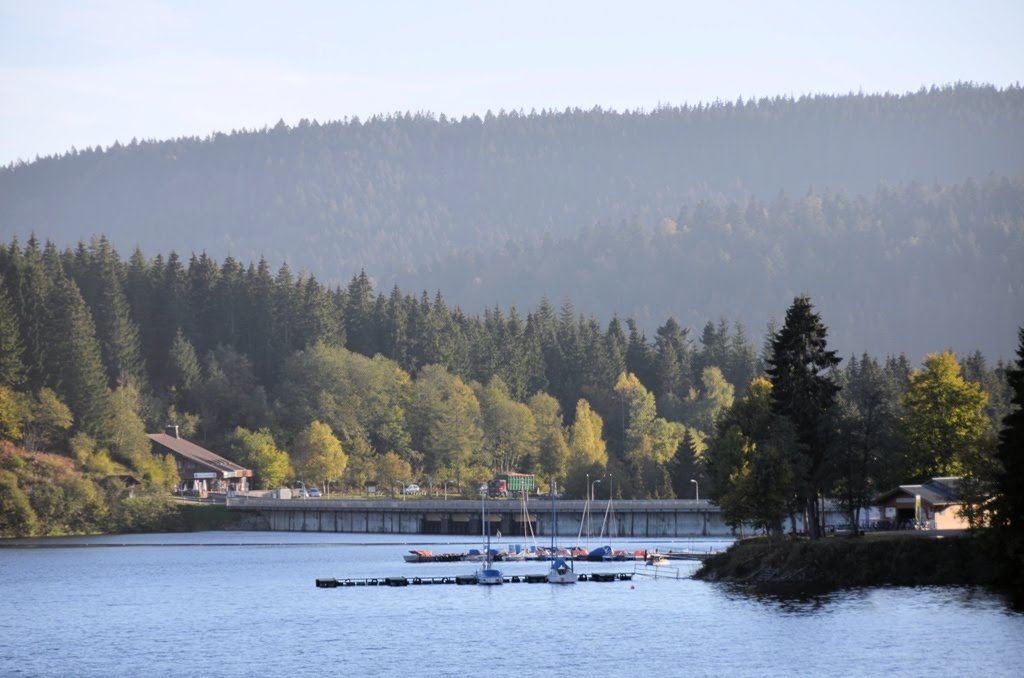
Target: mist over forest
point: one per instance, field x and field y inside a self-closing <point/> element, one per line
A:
<point x="901" y="215"/>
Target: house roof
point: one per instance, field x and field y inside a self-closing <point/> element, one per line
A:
<point x="937" y="491"/>
<point x="198" y="454"/>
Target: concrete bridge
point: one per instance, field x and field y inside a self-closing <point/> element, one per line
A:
<point x="642" y="519"/>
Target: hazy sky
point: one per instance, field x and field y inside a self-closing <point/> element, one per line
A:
<point x="85" y="73"/>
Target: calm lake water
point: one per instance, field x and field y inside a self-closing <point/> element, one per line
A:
<point x="242" y="604"/>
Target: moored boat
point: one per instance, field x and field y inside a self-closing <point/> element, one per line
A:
<point x="561" y="572"/>
<point x="488" y="575"/>
<point x="419" y="556"/>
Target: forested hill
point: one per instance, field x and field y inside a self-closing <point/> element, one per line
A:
<point x="913" y="268"/>
<point x="413" y="197"/>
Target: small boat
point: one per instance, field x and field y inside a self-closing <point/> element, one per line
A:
<point x="655" y="560"/>
<point x="600" y="553"/>
<point x="488" y="575"/>
<point x="419" y="557"/>
<point x="562" y="570"/>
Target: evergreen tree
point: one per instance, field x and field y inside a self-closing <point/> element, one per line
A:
<point x="29" y="290"/>
<point x="803" y="391"/>
<point x="1009" y="504"/>
<point x="229" y="305"/>
<point x="639" y="357"/>
<point x="118" y="336"/>
<point x="673" y="366"/>
<point x="865" y="449"/>
<point x="395" y="330"/>
<point x="258" y="339"/>
<point x="12" y="369"/>
<point x="201" y="281"/>
<point x="183" y="373"/>
<point x="743" y="363"/>
<point x="75" y="369"/>
<point x="359" y="330"/>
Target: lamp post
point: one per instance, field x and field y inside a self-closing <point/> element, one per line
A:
<point x="696" y="488"/>
<point x="446" y="490"/>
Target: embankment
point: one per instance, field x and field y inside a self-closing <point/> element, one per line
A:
<point x="839" y="562"/>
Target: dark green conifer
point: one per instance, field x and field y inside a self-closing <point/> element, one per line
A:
<point x="75" y="367"/>
<point x="803" y="391"/>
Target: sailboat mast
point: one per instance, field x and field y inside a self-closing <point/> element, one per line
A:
<point x="554" y="520"/>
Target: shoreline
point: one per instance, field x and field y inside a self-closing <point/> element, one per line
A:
<point x="848" y="562"/>
<point x="839" y="562"/>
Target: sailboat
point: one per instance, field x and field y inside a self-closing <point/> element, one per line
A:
<point x="606" y="552"/>
<point x="487" y="574"/>
<point x="560" y="572"/>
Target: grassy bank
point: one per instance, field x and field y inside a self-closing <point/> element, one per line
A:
<point x="873" y="560"/>
<point x="204" y="517"/>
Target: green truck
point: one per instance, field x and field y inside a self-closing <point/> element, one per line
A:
<point x="511" y="483"/>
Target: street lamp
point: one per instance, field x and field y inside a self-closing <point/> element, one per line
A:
<point x="696" y="488"/>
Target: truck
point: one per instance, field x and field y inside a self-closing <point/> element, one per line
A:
<point x="511" y="483"/>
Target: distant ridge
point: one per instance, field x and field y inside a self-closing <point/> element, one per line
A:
<point x="412" y="198"/>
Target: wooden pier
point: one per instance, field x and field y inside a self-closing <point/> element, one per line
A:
<point x="463" y="580"/>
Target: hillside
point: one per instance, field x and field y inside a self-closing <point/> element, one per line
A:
<point x="432" y="202"/>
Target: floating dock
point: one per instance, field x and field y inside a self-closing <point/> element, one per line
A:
<point x="464" y="579"/>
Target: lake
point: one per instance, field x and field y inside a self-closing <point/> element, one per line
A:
<point x="245" y="603"/>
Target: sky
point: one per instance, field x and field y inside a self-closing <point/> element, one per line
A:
<point x="88" y="73"/>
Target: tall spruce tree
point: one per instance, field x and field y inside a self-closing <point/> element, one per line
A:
<point x="803" y="391"/>
<point x="75" y="368"/>
<point x="29" y="288"/>
<point x="100" y="279"/>
<point x="12" y="369"/>
<point x="1009" y="516"/>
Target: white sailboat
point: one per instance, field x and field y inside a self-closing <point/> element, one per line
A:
<point x="561" y="572"/>
<point x="487" y="574"/>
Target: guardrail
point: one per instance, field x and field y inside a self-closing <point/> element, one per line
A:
<point x="493" y="505"/>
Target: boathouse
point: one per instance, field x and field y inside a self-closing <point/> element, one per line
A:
<point x="200" y="469"/>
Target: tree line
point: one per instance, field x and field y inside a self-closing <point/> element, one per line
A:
<point x="298" y="380"/>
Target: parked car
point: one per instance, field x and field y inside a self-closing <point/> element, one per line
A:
<point x="411" y="489"/>
<point x="314" y="493"/>
<point x="302" y="493"/>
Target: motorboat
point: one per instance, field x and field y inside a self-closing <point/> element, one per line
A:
<point x="419" y="556"/>
<point x="655" y="560"/>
